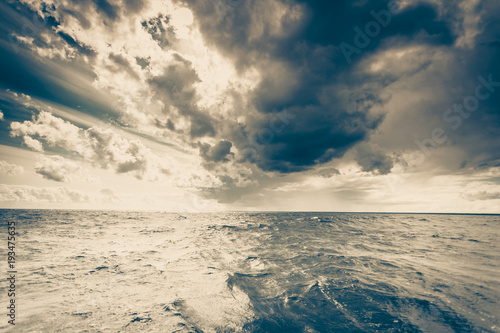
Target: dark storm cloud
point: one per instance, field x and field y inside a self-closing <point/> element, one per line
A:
<point x="217" y="153"/>
<point x="108" y="9"/>
<point x="123" y="64"/>
<point x="323" y="26"/>
<point x="471" y="118"/>
<point x="479" y="134"/>
<point x="78" y="15"/>
<point x="82" y="49"/>
<point x="328" y="172"/>
<point x="143" y="62"/>
<point x="201" y="125"/>
<point x="311" y="104"/>
<point x="159" y="30"/>
<point x="295" y="47"/>
<point x="134" y="5"/>
<point x="372" y="158"/>
<point x="168" y="124"/>
<point x="175" y="88"/>
<point x="106" y="12"/>
<point x="316" y="135"/>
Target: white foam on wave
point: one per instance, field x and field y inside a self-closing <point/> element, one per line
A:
<point x="100" y="276"/>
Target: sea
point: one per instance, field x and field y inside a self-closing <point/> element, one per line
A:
<point x="115" y="271"/>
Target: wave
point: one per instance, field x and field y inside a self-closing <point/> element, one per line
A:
<point x="257" y="272"/>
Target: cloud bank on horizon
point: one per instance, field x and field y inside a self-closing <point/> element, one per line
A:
<point x="249" y="104"/>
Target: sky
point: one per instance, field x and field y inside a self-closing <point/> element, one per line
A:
<point x="230" y="105"/>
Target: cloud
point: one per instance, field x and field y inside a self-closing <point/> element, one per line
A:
<point x="155" y="89"/>
<point x="8" y="169"/>
<point x="217" y="153"/>
<point x="1" y="115"/>
<point x="294" y="48"/>
<point x="110" y="10"/>
<point x="303" y="73"/>
<point x="175" y="88"/>
<point x="160" y="30"/>
<point x="102" y="148"/>
<point x="485" y="187"/>
<point x="122" y="63"/>
<point x="135" y="6"/>
<point x="55" y="131"/>
<point x="328" y="172"/>
<point x="56" y="168"/>
<point x="481" y="195"/>
<point x="32" y="143"/>
<point x="109" y="196"/>
<point x="260" y="90"/>
<point x="372" y="158"/>
<point x="30" y="194"/>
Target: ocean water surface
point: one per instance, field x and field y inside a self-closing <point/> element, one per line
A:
<point x="97" y="271"/>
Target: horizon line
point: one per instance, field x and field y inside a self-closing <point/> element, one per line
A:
<point x="248" y="211"/>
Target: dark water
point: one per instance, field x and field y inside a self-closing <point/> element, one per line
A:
<point x="255" y="272"/>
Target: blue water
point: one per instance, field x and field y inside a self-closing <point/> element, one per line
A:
<point x="97" y="271"/>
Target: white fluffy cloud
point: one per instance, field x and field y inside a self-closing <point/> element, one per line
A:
<point x="8" y="169"/>
<point x="30" y="194"/>
<point x="21" y="196"/>
<point x="56" y="168"/>
<point x="102" y="148"/>
<point x="53" y="130"/>
<point x="32" y="143"/>
<point x="136" y="47"/>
